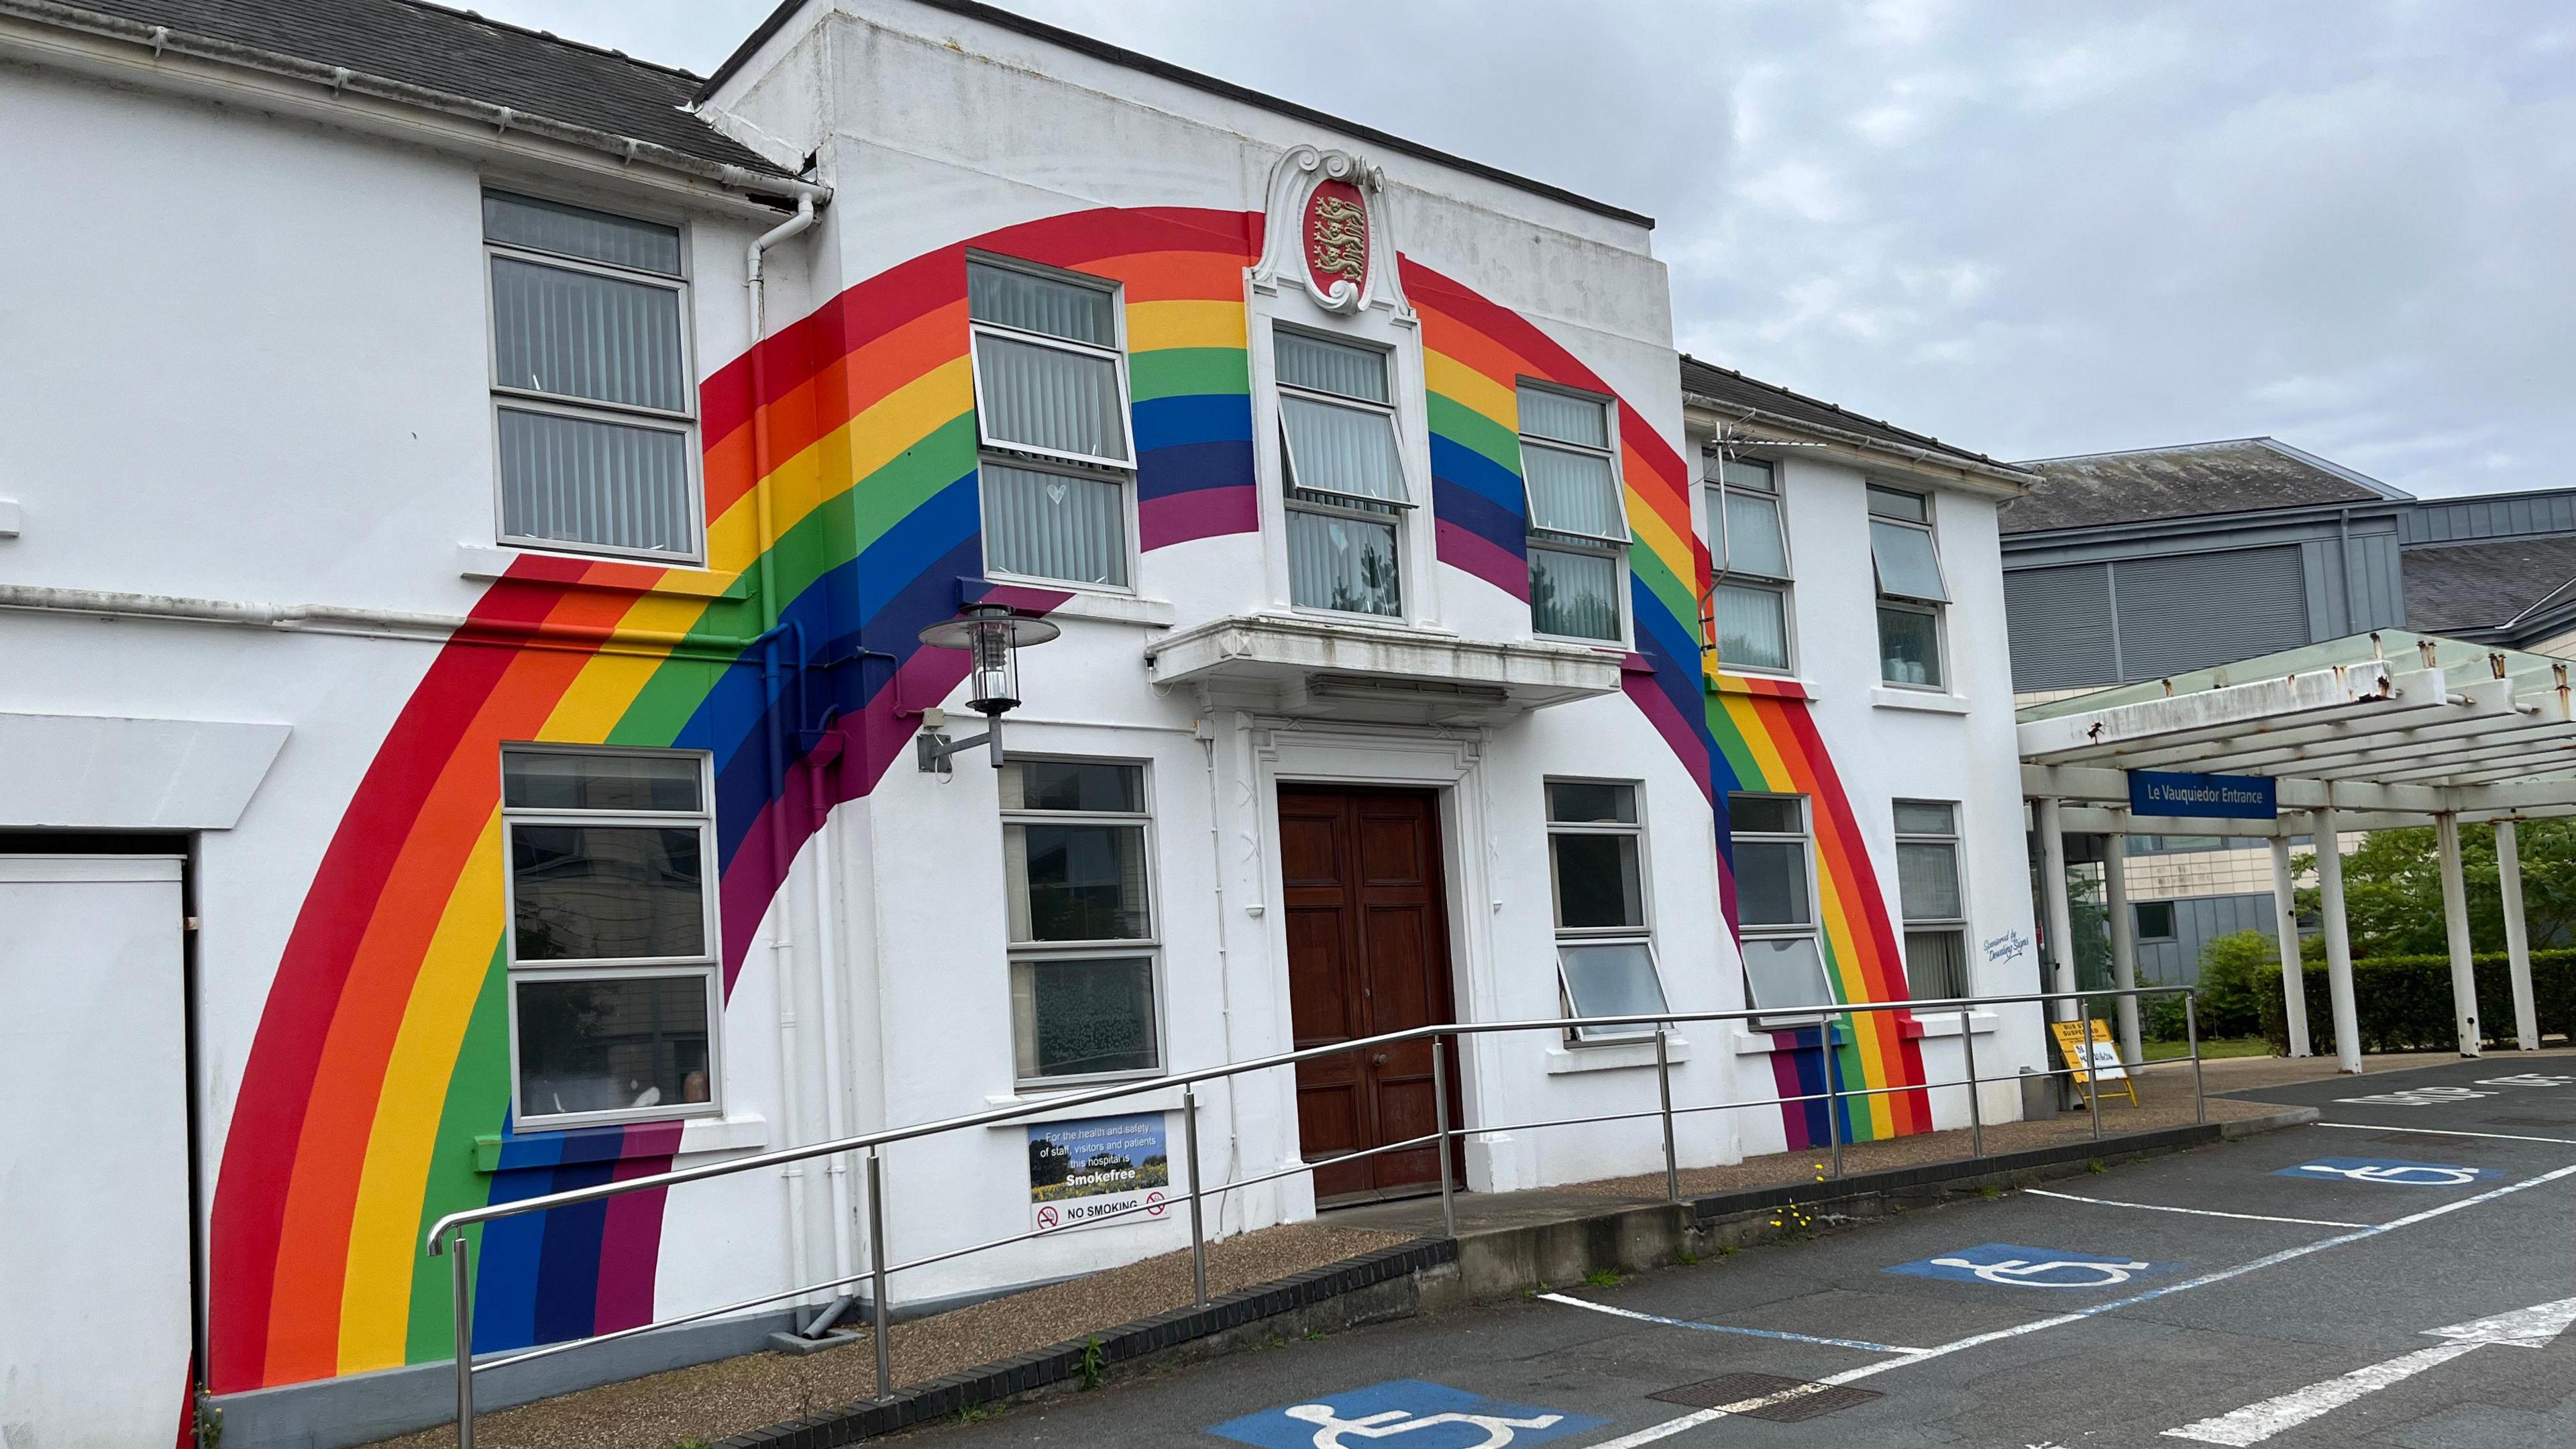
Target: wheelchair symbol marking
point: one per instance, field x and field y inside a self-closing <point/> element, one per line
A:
<point x="2018" y="1273"/>
<point x="2015" y="1265"/>
<point x="1387" y="1423"/>
<point x="1405" y="1414"/>
<point x="2387" y="1171"/>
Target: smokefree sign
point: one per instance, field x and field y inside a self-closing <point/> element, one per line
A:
<point x="1093" y="1169"/>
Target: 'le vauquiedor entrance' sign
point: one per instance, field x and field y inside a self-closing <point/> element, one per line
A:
<point x="2226" y="797"/>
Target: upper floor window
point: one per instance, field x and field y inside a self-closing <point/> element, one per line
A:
<point x="1775" y="902"/>
<point x="1051" y="414"/>
<point x="1578" y="520"/>
<point x="612" y="934"/>
<point x="594" y="411"/>
<point x="1080" y="909"/>
<point x="1346" y="496"/>
<point x="1751" y="600"/>
<point x="1605" y="948"/>
<point x="1927" y="887"/>
<point x="1910" y="594"/>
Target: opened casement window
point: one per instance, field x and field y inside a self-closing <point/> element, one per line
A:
<point x="1346" y="494"/>
<point x="1578" y="519"/>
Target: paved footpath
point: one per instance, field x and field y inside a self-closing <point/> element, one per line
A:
<point x="2399" y="1274"/>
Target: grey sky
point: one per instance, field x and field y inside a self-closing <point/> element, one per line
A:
<point x="2032" y="228"/>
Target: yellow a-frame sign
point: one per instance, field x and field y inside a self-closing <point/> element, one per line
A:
<point x="2091" y="1053"/>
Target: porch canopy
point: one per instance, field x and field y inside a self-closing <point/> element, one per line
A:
<point x="2371" y="732"/>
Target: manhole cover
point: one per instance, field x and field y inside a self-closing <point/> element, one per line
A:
<point x="1767" y="1396"/>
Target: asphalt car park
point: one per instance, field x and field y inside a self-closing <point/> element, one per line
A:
<point x="2397" y="1274"/>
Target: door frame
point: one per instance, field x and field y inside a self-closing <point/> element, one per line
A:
<point x="1444" y="986"/>
<point x="1448" y="765"/>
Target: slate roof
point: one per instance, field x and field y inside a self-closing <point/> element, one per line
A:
<point x="2463" y="586"/>
<point x="1726" y="385"/>
<point x="2240" y="475"/>
<point x="462" y="54"/>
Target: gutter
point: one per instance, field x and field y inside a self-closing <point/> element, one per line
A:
<point x="2015" y="480"/>
<point x="340" y="80"/>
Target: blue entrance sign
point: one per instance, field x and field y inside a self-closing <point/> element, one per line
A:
<point x="2221" y="797"/>
<point x="2010" y="1265"/>
<point x="2393" y="1172"/>
<point x="1426" y="1415"/>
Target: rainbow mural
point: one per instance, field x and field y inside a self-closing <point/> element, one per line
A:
<point x="1734" y="732"/>
<point x="840" y="480"/>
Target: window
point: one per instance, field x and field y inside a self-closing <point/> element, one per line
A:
<point x="593" y="406"/>
<point x="612" y="934"/>
<point x="1346" y="494"/>
<point x="1784" y="968"/>
<point x="1750" y="603"/>
<point x="1910" y="594"/>
<point x="1051" y="414"/>
<point x="2155" y="920"/>
<point x="1081" y="916"/>
<point x="1604" y="948"/>
<point x="1577" y="519"/>
<point x="1927" y="887"/>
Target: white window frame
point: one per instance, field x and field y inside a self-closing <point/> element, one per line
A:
<point x="528" y="400"/>
<point x="2173" y="922"/>
<point x="1783" y="588"/>
<point x="1053" y="460"/>
<point x="1616" y="550"/>
<point x="1320" y="502"/>
<point x="1149" y="946"/>
<point x="1957" y="925"/>
<point x="1641" y="934"/>
<point x="1936" y="611"/>
<point x="704" y="965"/>
<point x="1812" y="930"/>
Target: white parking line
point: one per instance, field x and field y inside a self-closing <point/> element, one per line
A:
<point x="1725" y="1328"/>
<point x="2155" y="1207"/>
<point x="1653" y="1432"/>
<point x="2439" y="1131"/>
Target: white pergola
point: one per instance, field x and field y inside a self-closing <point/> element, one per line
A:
<point x="2371" y="732"/>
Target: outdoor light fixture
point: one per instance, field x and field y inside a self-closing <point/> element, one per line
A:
<point x="992" y="636"/>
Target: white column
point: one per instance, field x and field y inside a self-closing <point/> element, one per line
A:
<point x="2285" y="931"/>
<point x="2124" y="941"/>
<point x="2061" y="919"/>
<point x="2347" y="1021"/>
<point x="2455" y="924"/>
<point x="2517" y="937"/>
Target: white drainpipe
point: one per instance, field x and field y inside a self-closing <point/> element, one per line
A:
<point x="782" y="977"/>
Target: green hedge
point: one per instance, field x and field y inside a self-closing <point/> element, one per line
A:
<point x="2404" y="1002"/>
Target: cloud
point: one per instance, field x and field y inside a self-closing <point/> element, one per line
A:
<point x="2032" y="228"/>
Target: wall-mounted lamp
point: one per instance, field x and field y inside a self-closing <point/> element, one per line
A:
<point x="992" y="636"/>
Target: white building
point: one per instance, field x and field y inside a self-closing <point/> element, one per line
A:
<point x="418" y="580"/>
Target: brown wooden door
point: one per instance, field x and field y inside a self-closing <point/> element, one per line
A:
<point x="1368" y="953"/>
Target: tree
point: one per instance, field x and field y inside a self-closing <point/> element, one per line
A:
<point x="2392" y="889"/>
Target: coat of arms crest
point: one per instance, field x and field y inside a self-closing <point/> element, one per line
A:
<point x="1337" y="236"/>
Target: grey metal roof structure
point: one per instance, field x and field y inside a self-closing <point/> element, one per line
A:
<point x="436" y="50"/>
<point x="2237" y="475"/>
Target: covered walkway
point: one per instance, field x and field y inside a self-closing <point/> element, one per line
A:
<point x="2372" y="732"/>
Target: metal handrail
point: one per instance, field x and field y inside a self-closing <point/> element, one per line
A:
<point x="447" y="1236"/>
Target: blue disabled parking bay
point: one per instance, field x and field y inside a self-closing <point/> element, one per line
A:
<point x="2388" y="1172"/>
<point x="1411" y="1413"/>
<point x="2011" y="1265"/>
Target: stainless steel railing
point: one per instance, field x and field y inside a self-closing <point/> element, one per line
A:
<point x="448" y="1235"/>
